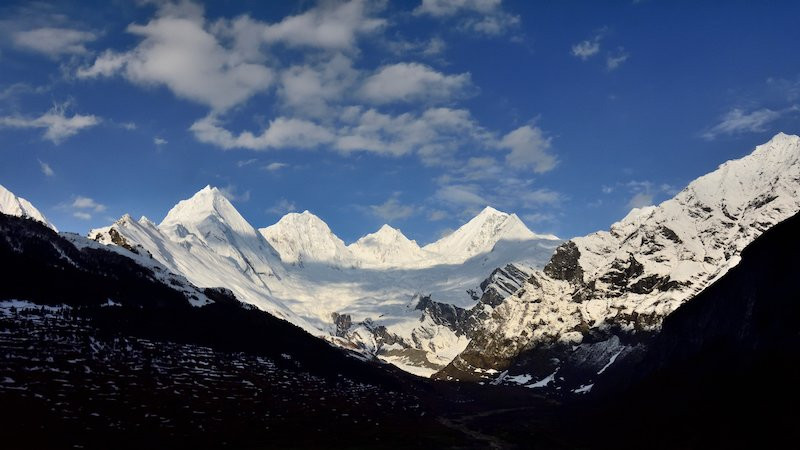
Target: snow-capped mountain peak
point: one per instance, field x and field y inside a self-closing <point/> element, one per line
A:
<point x="207" y="202"/>
<point x="387" y="247"/>
<point x="17" y="206"/>
<point x="304" y="237"/>
<point x="481" y="234"/>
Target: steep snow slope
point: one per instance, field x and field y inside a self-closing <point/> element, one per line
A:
<point x="388" y="247"/>
<point x="207" y="255"/>
<point x="304" y="237"/>
<point x="209" y="218"/>
<point x="16" y="206"/>
<point x="480" y="235"/>
<point x="629" y="278"/>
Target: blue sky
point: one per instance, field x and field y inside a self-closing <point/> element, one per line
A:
<point x="415" y="113"/>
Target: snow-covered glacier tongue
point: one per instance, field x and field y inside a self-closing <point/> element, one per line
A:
<point x="599" y="295"/>
<point x="382" y="295"/>
<point x="387" y="296"/>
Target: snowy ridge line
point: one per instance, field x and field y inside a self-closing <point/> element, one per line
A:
<point x="629" y="278"/>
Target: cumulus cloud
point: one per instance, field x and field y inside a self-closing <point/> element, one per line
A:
<point x="178" y="51"/>
<point x="332" y="26"/>
<point x="55" y="123"/>
<point x="159" y="141"/>
<point x="87" y="203"/>
<point x="404" y="82"/>
<point x="281" y="133"/>
<point x="737" y="121"/>
<point x="82" y="207"/>
<point x="53" y="41"/>
<point x="529" y="149"/>
<point x="310" y="88"/>
<point x="586" y="49"/>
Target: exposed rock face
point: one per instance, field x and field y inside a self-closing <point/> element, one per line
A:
<point x="564" y="264"/>
<point x="627" y="280"/>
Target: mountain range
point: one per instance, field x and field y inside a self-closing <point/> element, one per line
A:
<point x="680" y="312"/>
<point x="492" y="300"/>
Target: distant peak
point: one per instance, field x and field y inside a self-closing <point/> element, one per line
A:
<point x="206" y="202"/>
<point x="489" y="211"/>
<point x="386" y="228"/>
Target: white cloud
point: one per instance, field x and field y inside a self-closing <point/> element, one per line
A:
<point x="331" y="25"/>
<point x="589" y="47"/>
<point x="86" y="203"/>
<point x="56" y="124"/>
<point x="281" y="133"/>
<point x="233" y="194"/>
<point x="445" y="8"/>
<point x="392" y="209"/>
<point x="283" y="206"/>
<point x="159" y="141"/>
<point x="640" y="200"/>
<point x="246" y="162"/>
<point x="275" y="166"/>
<point x="436" y="215"/>
<point x="130" y="126"/>
<point x="461" y="195"/>
<point x="539" y="217"/>
<point x="53" y="41"/>
<point x="644" y="193"/>
<point x="586" y="49"/>
<point x="737" y="121"/>
<point x="481" y="16"/>
<point x="178" y="51"/>
<point x="615" y="59"/>
<point x="83" y="207"/>
<point x="529" y="149"/>
<point x="432" y="47"/>
<point x="540" y="197"/>
<point x="46" y="169"/>
<point x="492" y="25"/>
<point x="105" y="65"/>
<point x="405" y="82"/>
<point x="310" y="89"/>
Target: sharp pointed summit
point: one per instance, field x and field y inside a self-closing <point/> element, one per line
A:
<point x="481" y="234"/>
<point x="388" y="247"/>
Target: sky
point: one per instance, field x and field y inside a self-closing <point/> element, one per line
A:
<point x="413" y="113"/>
